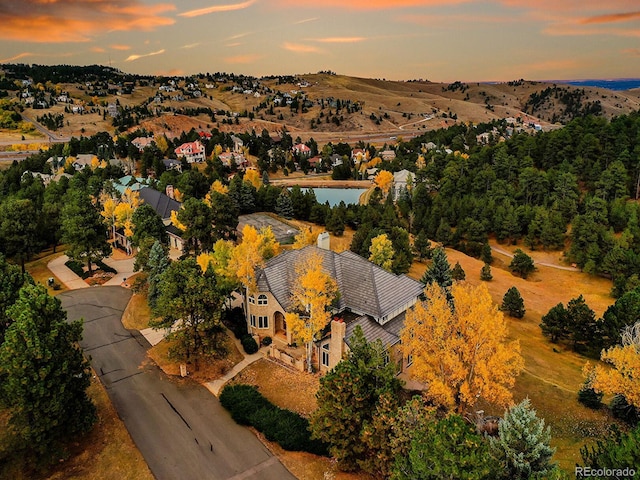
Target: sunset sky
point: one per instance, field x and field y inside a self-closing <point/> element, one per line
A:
<point x="438" y="40"/>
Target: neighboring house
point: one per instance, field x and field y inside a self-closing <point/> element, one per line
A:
<point x="164" y="205"/>
<point x="230" y="158"/>
<point x="336" y="160"/>
<point x="368" y="296"/>
<point x="238" y="144"/>
<point x="172" y="164"/>
<point x="83" y="160"/>
<point x="401" y="181"/>
<point x="193" y="152"/>
<point x="141" y="142"/>
<point x="387" y="155"/>
<point x="301" y="150"/>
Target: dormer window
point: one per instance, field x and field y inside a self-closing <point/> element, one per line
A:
<point x="262" y="300"/>
<point x="252" y="300"/>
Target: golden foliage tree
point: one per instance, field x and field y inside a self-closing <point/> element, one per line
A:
<point x="252" y="177"/>
<point x="249" y="255"/>
<point x="624" y="377"/>
<point x="304" y="238"/>
<point x="313" y="291"/>
<point x="459" y="348"/>
<point x="381" y="251"/>
<point x="384" y="180"/>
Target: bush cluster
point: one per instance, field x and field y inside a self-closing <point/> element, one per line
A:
<point x="291" y="431"/>
<point x="235" y="321"/>
<point x="249" y="344"/>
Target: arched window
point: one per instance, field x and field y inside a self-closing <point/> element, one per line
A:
<point x="262" y="299"/>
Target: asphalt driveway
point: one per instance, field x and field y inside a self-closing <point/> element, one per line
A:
<point x="180" y="427"/>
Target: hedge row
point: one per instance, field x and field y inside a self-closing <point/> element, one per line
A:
<point x="78" y="268"/>
<point x="291" y="431"/>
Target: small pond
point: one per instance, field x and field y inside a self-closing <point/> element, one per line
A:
<point x="335" y="195"/>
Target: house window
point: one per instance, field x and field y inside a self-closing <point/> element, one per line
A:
<point x="252" y="300"/>
<point x="409" y="360"/>
<point x="325" y="355"/>
<point x="253" y="320"/>
<point x="263" y="321"/>
<point x="387" y="358"/>
<point x="262" y="300"/>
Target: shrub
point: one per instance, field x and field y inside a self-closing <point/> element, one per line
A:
<point x="235" y="321"/>
<point x="266" y="341"/>
<point x="485" y="273"/>
<point x="589" y="398"/>
<point x="291" y="431"/>
<point x="622" y="410"/>
<point x="249" y="344"/>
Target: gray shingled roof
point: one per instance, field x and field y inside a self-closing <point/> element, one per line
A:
<point x="364" y="287"/>
<point x="388" y="334"/>
<point x="161" y="203"/>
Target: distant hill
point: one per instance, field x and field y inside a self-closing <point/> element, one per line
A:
<point x="323" y="105"/>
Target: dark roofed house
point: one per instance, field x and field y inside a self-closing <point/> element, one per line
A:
<point x="369" y="296"/>
<point x="163" y="205"/>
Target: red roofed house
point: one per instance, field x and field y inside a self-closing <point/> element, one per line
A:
<point x="193" y="152"/>
<point x="301" y="149"/>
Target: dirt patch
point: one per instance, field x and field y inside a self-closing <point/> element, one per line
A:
<point x="207" y="369"/>
<point x="137" y="314"/>
<point x="41" y="274"/>
<point x="285" y="387"/>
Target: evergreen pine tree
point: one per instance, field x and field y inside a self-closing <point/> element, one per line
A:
<point x="439" y="271"/>
<point x="555" y="324"/>
<point x="513" y="304"/>
<point x="485" y="273"/>
<point x="485" y="254"/>
<point x="158" y="263"/>
<point x="284" y="207"/>
<point x="45" y="375"/>
<point x="457" y="273"/>
<point x="523" y="444"/>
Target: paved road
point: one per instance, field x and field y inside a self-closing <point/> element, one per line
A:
<point x="180" y="428"/>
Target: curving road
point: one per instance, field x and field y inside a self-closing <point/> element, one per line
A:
<point x="179" y="427"/>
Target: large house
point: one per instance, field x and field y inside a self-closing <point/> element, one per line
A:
<point x="193" y="152"/>
<point x="369" y="296"/>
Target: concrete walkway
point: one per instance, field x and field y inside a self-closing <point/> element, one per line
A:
<point x="216" y="385"/>
<point x="65" y="274"/>
<point x="123" y="267"/>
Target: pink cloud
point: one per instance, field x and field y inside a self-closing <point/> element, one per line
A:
<point x="217" y="9"/>
<point x="340" y="39"/>
<point x="77" y="20"/>
<point x="368" y="4"/>
<point x="242" y="59"/>
<point x="300" y="48"/>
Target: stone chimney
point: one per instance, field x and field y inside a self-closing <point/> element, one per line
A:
<point x="336" y="344"/>
<point x="169" y="192"/>
<point x="324" y="240"/>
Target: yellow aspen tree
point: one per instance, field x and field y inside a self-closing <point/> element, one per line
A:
<point x="382" y="252"/>
<point x="178" y="195"/>
<point x="204" y="260"/>
<point x="244" y="260"/>
<point x="108" y="212"/>
<point x="218" y="186"/>
<point x="304" y="238"/>
<point x="161" y="143"/>
<point x="176" y="223"/>
<point x="95" y="163"/>
<point x="312" y="294"/>
<point x="268" y="246"/>
<point x="624" y="376"/>
<point x="252" y="177"/>
<point x="384" y="180"/>
<point x="459" y="348"/>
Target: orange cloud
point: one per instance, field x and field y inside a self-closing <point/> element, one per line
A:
<point x="132" y="58"/>
<point x="120" y="47"/>
<point x="300" y="48"/>
<point x="611" y="18"/>
<point x="306" y="20"/>
<point x="634" y="52"/>
<point x="250" y="58"/>
<point x="218" y="8"/>
<point x="369" y="4"/>
<point x="98" y="49"/>
<point x="16" y="57"/>
<point x="77" y="20"/>
<point x="341" y="39"/>
<point x="458" y="18"/>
